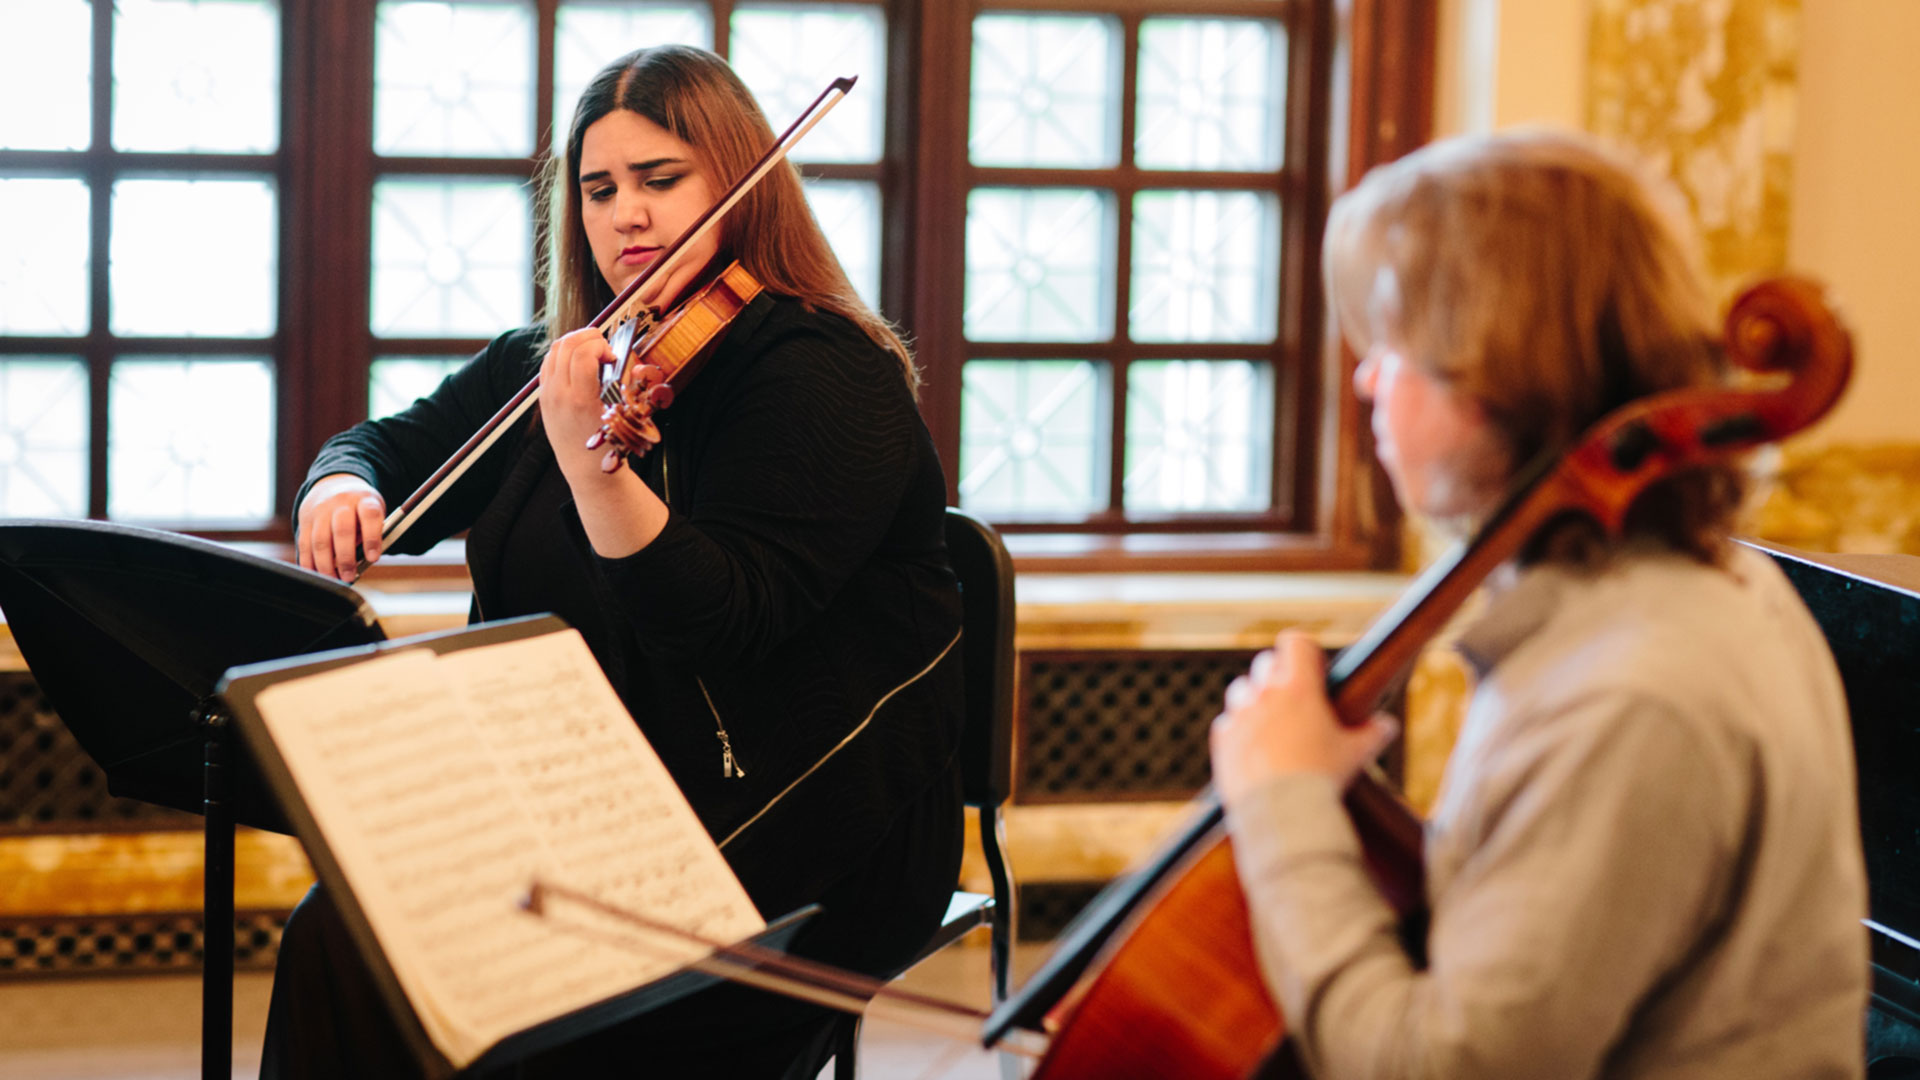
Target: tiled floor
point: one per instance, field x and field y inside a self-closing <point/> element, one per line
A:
<point x="148" y="1028"/>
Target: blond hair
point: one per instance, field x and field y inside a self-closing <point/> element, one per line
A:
<point x="1540" y="276"/>
<point x="695" y="96"/>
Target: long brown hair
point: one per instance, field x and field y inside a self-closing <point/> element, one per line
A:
<point x="695" y="96"/>
<point x="1545" y="279"/>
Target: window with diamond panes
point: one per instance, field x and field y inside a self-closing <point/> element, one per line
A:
<point x="465" y="102"/>
<point x="1125" y="211"/>
<point x="141" y="195"/>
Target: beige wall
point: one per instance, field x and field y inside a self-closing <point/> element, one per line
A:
<point x="1507" y="63"/>
<point x="1856" y="200"/>
<point x="1856" y="196"/>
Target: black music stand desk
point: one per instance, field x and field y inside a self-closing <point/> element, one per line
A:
<point x="127" y="630"/>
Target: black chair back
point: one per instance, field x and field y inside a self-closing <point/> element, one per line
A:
<point x="985" y="571"/>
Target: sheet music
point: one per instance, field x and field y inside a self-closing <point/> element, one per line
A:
<point x="444" y="784"/>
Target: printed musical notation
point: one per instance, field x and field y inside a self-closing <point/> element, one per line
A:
<point x="444" y="784"/>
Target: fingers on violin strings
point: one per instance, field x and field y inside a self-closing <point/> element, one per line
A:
<point x="577" y="360"/>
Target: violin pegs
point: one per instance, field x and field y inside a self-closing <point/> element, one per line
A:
<point x="650" y="374"/>
<point x="611" y="463"/>
<point x="594" y="440"/>
<point x="660" y="395"/>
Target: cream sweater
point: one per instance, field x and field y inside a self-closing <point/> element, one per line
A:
<point x="1645" y="860"/>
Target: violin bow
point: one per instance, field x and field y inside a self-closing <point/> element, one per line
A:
<point x="624" y="314"/>
<point x="756" y="965"/>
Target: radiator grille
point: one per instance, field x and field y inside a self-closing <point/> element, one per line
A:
<point x="1129" y="725"/>
<point x="130" y="944"/>
<point x="47" y="781"/>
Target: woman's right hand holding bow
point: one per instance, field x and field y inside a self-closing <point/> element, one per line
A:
<point x="341" y="517"/>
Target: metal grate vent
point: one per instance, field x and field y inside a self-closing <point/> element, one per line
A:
<point x="46" y="780"/>
<point x="1125" y="725"/>
<point x="124" y="944"/>
<point x="1046" y="907"/>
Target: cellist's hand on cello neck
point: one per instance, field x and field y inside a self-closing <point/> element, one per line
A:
<point x="341" y="518"/>
<point x="1278" y="722"/>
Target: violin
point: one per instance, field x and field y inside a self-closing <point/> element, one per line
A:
<point x="1175" y="988"/>
<point x="658" y="364"/>
<point x="656" y="353"/>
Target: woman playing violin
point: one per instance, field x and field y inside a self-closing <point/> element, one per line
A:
<point x="768" y="589"/>
<point x="1645" y="859"/>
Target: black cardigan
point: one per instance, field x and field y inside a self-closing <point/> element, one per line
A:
<point x="799" y="594"/>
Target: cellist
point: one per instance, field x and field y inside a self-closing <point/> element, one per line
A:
<point x="1645" y="859"/>
<point x="768" y="589"/>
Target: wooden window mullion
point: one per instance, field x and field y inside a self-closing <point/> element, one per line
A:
<point x="723" y="30"/>
<point x="1122" y="185"/>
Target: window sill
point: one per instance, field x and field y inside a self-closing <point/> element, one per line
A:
<point x="1182" y="552"/>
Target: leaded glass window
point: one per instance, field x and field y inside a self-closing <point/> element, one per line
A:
<point x="43" y="436"/>
<point x="141" y="307"/>
<point x="1211" y="94"/>
<point x="197" y="75"/>
<point x="1033" y="441"/>
<point x="1046" y="90"/>
<point x="454" y="78"/>
<point x="193" y="258"/>
<point x="1126" y="203"/>
<point x="1206" y="266"/>
<point x="1197" y="436"/>
<point x="1039" y="265"/>
<point x="849" y="213"/>
<point x="185" y="440"/>
<point x="787" y="53"/>
<point x="44" y="263"/>
<point x="590" y="34"/>
<point x="46" y="57"/>
<point x="451" y="258"/>
<point x="397" y="381"/>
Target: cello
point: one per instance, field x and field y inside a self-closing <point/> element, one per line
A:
<point x="1159" y="976"/>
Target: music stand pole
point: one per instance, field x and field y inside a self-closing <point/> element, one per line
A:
<point x="216" y="973"/>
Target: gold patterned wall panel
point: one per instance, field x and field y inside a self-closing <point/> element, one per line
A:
<point x="1704" y="92"/>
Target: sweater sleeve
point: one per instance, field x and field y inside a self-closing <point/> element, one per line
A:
<point x="396" y="454"/>
<point x="802" y="477"/>
<point x="1605" y="850"/>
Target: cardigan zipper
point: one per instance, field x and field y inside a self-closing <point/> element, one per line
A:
<point x="730" y="767"/>
<point x="862" y="726"/>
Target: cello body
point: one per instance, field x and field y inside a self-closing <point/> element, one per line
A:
<point x="1163" y="1007"/>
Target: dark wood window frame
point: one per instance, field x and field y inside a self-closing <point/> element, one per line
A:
<point x="1372" y="57"/>
<point x="1361" y="75"/>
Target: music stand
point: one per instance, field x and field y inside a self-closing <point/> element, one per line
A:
<point x="127" y="630"/>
